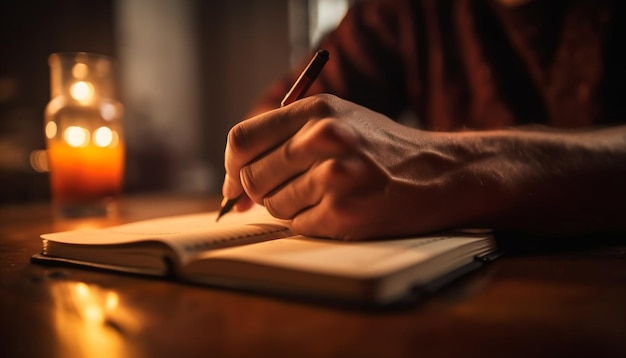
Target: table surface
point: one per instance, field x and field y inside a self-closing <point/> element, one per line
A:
<point x="569" y="302"/>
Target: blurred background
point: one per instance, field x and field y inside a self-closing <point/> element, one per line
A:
<point x="187" y="70"/>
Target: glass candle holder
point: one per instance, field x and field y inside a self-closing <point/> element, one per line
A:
<point x="84" y="135"/>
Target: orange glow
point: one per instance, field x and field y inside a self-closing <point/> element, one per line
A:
<point x="39" y="161"/>
<point x="76" y="136"/>
<point x="80" y="70"/>
<point x="108" y="111"/>
<point x="82" y="316"/>
<point x="83" y="174"/>
<point x="51" y="129"/>
<point x="105" y="137"/>
<point x="82" y="91"/>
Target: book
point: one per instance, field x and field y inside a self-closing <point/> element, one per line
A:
<point x="253" y="251"/>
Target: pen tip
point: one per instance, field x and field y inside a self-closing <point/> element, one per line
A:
<point x="220" y="214"/>
<point x="226" y="206"/>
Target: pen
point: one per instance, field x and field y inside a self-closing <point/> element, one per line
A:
<point x="297" y="91"/>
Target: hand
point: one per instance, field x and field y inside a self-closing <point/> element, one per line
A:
<point x="339" y="170"/>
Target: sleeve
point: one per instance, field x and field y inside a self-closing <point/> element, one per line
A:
<point x="365" y="64"/>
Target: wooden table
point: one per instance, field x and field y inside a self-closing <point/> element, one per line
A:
<point x="557" y="303"/>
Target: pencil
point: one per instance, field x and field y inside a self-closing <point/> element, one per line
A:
<point x="297" y="91"/>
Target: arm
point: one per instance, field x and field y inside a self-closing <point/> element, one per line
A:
<point x="340" y="170"/>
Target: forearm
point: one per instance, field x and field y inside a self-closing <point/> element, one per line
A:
<point x="550" y="181"/>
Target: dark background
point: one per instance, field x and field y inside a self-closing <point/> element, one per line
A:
<point x="239" y="47"/>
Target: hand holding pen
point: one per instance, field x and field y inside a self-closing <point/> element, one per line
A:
<point x="297" y="91"/>
<point x="336" y="169"/>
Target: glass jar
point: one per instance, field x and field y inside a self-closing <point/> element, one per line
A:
<point x="84" y="135"/>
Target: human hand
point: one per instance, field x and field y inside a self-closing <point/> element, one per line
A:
<point x="339" y="170"/>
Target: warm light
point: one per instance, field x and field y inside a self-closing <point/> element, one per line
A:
<point x="107" y="111"/>
<point x="103" y="137"/>
<point x="82" y="91"/>
<point x="112" y="301"/>
<point x="82" y="290"/>
<point x="76" y="136"/>
<point x="85" y="154"/>
<point x="39" y="161"/>
<point x="93" y="314"/>
<point x="51" y="129"/>
<point x="80" y="71"/>
<point x="81" y="316"/>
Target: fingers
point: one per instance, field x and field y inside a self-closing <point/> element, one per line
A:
<point x="332" y="178"/>
<point x="333" y="217"/>
<point x="244" y="203"/>
<point x="250" y="139"/>
<point x="314" y="143"/>
<point x="254" y="137"/>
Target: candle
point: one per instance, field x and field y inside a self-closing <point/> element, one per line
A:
<point x="83" y="130"/>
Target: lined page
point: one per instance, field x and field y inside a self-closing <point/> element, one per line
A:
<point x="183" y="233"/>
<point x="356" y="259"/>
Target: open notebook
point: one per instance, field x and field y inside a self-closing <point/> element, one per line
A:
<point x="253" y="251"/>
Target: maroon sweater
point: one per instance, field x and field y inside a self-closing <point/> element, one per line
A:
<point x="478" y="64"/>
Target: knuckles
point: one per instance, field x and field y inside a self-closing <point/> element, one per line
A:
<point x="238" y="138"/>
<point x="353" y="175"/>
<point x="320" y="105"/>
<point x="337" y="172"/>
<point x="335" y="134"/>
<point x="316" y="107"/>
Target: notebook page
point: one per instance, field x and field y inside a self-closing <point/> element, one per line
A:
<point x="356" y="259"/>
<point x="183" y="233"/>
